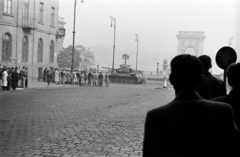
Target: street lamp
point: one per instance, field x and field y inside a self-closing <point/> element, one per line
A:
<point x="74" y="19"/>
<point x="157" y="67"/>
<point x="137" y="51"/>
<point x="125" y="57"/>
<point x="113" y="20"/>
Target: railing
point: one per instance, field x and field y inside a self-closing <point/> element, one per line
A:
<point x="28" y="22"/>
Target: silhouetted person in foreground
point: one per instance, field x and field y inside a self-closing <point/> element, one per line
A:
<point x="233" y="98"/>
<point x="190" y="125"/>
<point x="211" y="87"/>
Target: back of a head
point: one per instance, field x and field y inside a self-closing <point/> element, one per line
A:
<point x="206" y="62"/>
<point x="186" y="70"/>
<point x="233" y="75"/>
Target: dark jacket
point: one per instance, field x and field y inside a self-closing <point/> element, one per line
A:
<point x="49" y="76"/>
<point x="15" y="78"/>
<point x="211" y="87"/>
<point x="191" y="126"/>
<point x="234" y="100"/>
<point x="100" y="76"/>
<point x="90" y="75"/>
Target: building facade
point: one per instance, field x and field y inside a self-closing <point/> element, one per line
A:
<point x="29" y="34"/>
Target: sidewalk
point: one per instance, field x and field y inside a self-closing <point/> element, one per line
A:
<point x="40" y="84"/>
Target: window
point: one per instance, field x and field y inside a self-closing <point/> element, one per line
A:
<point x="26" y="7"/>
<point x="52" y="16"/>
<point x="41" y="13"/>
<point x="40" y="51"/>
<point x="8" y="7"/>
<point x="25" y="44"/>
<point x="6" y="47"/>
<point x="51" y="54"/>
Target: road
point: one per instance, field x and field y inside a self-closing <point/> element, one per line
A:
<point x="77" y="121"/>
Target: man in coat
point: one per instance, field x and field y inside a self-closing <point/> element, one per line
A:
<point x="233" y="75"/>
<point x="26" y="77"/>
<point x="15" y="78"/>
<point x="100" y="79"/>
<point x="22" y="77"/>
<point x="211" y="87"/>
<point x="49" y="76"/>
<point x="190" y="125"/>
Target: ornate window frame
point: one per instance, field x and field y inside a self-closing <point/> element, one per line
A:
<point x="25" y="49"/>
<point x="6" y="47"/>
<point x="40" y="51"/>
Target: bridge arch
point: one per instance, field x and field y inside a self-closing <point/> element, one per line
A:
<point x="190" y="39"/>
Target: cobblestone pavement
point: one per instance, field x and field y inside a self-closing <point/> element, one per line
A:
<point x="77" y="121"/>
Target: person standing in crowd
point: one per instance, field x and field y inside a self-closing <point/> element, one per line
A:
<point x="22" y="77"/>
<point x="107" y="79"/>
<point x="85" y="78"/>
<point x="53" y="75"/>
<point x="15" y="78"/>
<point x="100" y="79"/>
<point x="95" y="77"/>
<point x="211" y="87"/>
<point x="9" y="79"/>
<point x="45" y="75"/>
<point x="67" y="76"/>
<point x="72" y="77"/>
<point x="4" y="77"/>
<point x="75" y="76"/>
<point x="78" y="77"/>
<point x="56" y="79"/>
<point x="64" y="75"/>
<point x="59" y="76"/>
<point x="82" y="78"/>
<point x="1" y="71"/>
<point x="49" y="76"/>
<point x="233" y="75"/>
<point x="190" y="125"/>
<point x="26" y="76"/>
<point x="90" y="78"/>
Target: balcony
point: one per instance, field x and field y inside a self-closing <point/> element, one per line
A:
<point x="28" y="22"/>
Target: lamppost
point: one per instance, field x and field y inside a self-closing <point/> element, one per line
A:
<point x="125" y="57"/>
<point x="74" y="19"/>
<point x="137" y="51"/>
<point x="113" y="20"/>
<point x="157" y="67"/>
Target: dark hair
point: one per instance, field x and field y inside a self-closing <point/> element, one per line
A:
<point x="206" y="61"/>
<point x="233" y="75"/>
<point x="186" y="69"/>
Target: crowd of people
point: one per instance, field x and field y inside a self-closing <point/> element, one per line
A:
<point x="75" y="77"/>
<point x="202" y="120"/>
<point x="12" y="78"/>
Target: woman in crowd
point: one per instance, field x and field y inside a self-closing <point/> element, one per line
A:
<point x="56" y="76"/>
<point x="85" y="78"/>
<point x="75" y="76"/>
<point x="4" y="77"/>
<point x="82" y="78"/>
<point x="49" y="76"/>
<point x="107" y="79"/>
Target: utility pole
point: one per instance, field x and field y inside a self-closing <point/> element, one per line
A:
<point x="114" y="21"/>
<point x="74" y="19"/>
<point x="137" y="51"/>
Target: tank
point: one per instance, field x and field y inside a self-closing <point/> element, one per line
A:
<point x="125" y="74"/>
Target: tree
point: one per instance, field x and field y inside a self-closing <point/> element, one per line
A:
<point x="83" y="58"/>
<point x="87" y="58"/>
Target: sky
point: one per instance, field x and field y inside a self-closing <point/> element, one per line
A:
<point x="156" y="22"/>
